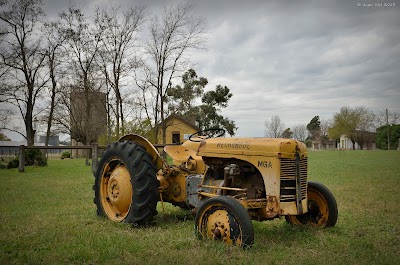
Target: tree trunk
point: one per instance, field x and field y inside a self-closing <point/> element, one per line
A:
<point x="53" y="100"/>
<point x="163" y="125"/>
<point x="122" y="118"/>
<point x="30" y="133"/>
<point x="117" y="125"/>
<point x="87" y="114"/>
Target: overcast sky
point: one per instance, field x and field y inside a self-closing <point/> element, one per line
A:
<point x="295" y="59"/>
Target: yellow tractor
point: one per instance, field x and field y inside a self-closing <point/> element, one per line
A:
<point x="227" y="182"/>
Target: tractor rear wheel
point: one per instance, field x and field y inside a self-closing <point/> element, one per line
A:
<point x="322" y="208"/>
<point x="225" y="219"/>
<point x="126" y="187"/>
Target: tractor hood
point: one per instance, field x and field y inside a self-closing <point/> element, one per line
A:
<point x="272" y="147"/>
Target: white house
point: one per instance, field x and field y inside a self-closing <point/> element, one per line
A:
<point x="346" y="144"/>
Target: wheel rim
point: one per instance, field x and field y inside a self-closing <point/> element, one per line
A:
<point x="318" y="211"/>
<point x="219" y="224"/>
<point x="116" y="190"/>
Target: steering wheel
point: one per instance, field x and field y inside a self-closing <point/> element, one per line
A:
<point x="206" y="134"/>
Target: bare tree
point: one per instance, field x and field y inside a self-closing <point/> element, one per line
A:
<point x="21" y="53"/>
<point x="54" y="40"/>
<point x="325" y="125"/>
<point x="382" y="119"/>
<point x="119" y="36"/>
<point x="300" y="132"/>
<point x="82" y="42"/>
<point x="274" y="127"/>
<point x="171" y="37"/>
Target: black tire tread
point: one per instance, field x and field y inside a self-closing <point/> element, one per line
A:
<point x="237" y="210"/>
<point x="330" y="199"/>
<point x="143" y="179"/>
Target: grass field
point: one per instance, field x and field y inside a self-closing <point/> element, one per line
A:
<point x="47" y="216"/>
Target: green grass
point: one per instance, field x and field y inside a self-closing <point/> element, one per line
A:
<point x="47" y="216"/>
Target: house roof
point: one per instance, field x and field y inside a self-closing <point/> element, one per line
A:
<point x="12" y="143"/>
<point x="19" y="143"/>
<point x="184" y="120"/>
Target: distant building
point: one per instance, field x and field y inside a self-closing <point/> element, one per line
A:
<point x="178" y="130"/>
<point x="53" y="140"/>
<point x="11" y="148"/>
<point x="369" y="139"/>
<point x="323" y="144"/>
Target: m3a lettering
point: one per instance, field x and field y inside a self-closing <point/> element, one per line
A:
<point x="266" y="164"/>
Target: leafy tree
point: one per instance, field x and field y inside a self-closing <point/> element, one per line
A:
<point x="352" y="122"/>
<point x="274" y="127"/>
<point x="382" y="139"/>
<point x="207" y="115"/>
<point x="139" y="127"/>
<point x="314" y="128"/>
<point x="183" y="97"/>
<point x="3" y="137"/>
<point x="287" y="133"/>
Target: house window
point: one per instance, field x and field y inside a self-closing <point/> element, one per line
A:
<point x="176" y="137"/>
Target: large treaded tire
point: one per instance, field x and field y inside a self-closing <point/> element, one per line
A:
<point x="224" y="219"/>
<point x="322" y="208"/>
<point x="138" y="186"/>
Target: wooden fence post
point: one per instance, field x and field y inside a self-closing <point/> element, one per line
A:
<point x="21" y="166"/>
<point x="95" y="149"/>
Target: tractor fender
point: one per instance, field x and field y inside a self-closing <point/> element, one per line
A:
<point x="157" y="159"/>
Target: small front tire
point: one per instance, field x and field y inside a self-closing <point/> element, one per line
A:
<point x="322" y="208"/>
<point x="224" y="219"/>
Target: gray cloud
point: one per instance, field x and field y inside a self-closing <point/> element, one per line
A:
<point x="295" y="59"/>
<point x="304" y="59"/>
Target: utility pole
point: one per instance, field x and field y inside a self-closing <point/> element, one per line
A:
<point x="387" y="129"/>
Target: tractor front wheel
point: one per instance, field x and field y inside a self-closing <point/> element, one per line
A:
<point x="126" y="187"/>
<point x="224" y="219"/>
<point x="322" y="208"/>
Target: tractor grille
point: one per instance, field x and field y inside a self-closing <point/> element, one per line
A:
<point x="289" y="181"/>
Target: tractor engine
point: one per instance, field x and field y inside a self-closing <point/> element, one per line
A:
<point x="243" y="179"/>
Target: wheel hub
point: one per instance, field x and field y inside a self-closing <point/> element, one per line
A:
<point x="219" y="231"/>
<point x="117" y="193"/>
<point x="313" y="208"/>
<point x="218" y="226"/>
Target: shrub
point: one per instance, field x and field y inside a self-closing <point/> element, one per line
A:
<point x="32" y="157"/>
<point x="13" y="163"/>
<point x="35" y="155"/>
<point x="308" y="143"/>
<point x="65" y="154"/>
